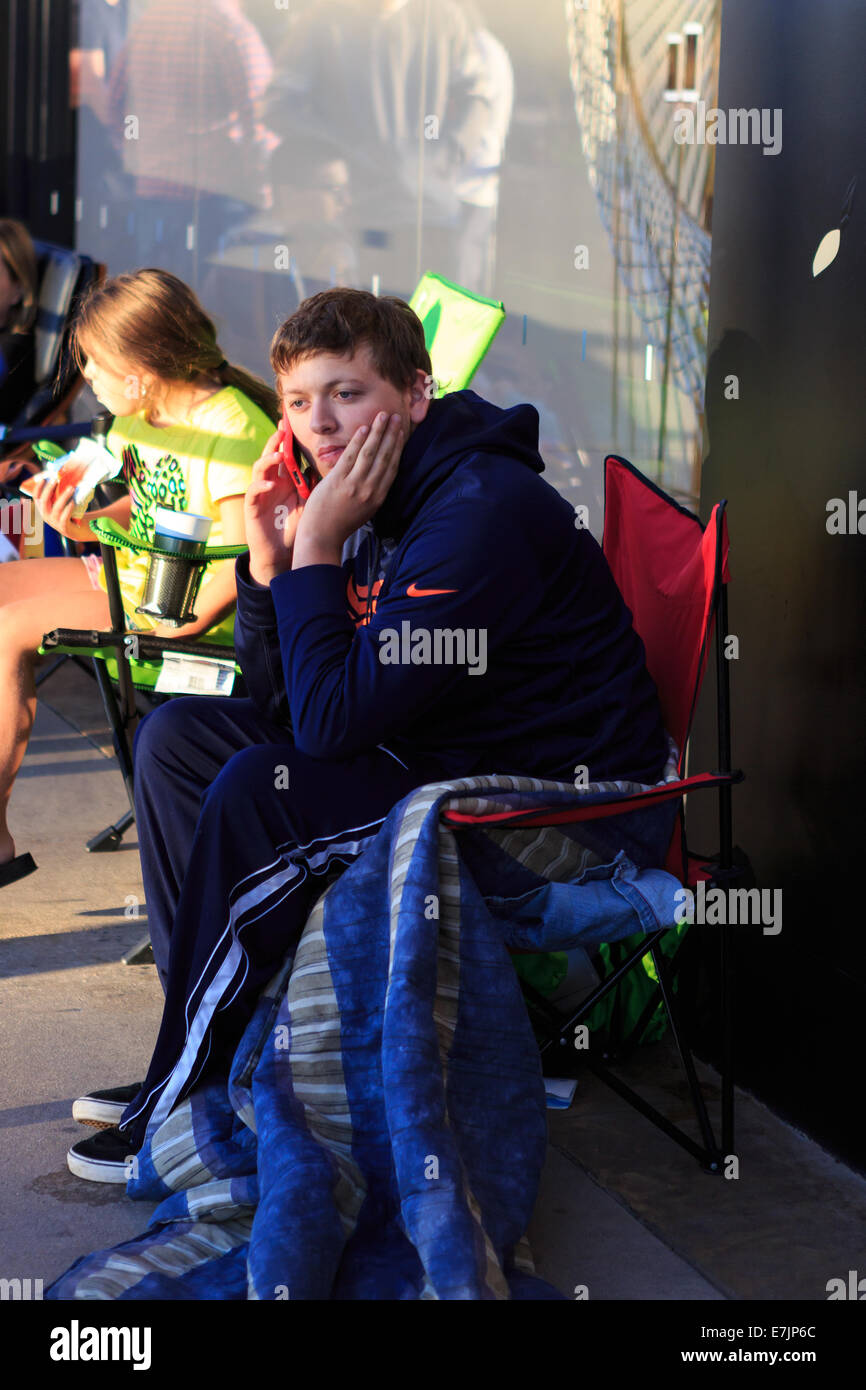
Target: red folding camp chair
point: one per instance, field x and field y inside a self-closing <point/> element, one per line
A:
<point x="672" y="573"/>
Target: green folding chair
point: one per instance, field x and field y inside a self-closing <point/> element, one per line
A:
<point x="459" y="327"/>
<point x="127" y="661"/>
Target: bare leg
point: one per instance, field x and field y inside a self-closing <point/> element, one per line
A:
<point x="60" y="574"/>
<point x="22" y="626"/>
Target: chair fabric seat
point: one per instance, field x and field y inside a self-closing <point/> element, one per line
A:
<point x="458" y="329"/>
<point x="59" y="272"/>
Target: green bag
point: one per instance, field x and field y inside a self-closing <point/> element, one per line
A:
<point x="544" y="971"/>
<point x="618" y="1014"/>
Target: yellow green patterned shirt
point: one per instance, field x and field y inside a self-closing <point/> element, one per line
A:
<point x="190" y="468"/>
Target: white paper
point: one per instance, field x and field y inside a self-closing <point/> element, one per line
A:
<point x="100" y="466"/>
<point x="195" y="675"/>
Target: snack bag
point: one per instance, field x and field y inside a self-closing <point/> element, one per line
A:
<point x="85" y="467"/>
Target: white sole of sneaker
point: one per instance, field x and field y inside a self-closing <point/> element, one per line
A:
<point x="100" y="1114"/>
<point x="93" y="1170"/>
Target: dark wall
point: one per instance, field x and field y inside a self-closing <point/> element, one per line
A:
<point x="795" y="438"/>
<point x="37" y="128"/>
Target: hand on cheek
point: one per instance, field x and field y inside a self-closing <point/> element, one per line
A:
<point x="351" y="493"/>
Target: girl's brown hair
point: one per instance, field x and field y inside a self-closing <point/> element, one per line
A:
<point x="152" y="320"/>
<point x="19" y="257"/>
<point x="340" y="319"/>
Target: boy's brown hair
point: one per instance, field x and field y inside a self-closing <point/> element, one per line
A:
<point x="341" y="319"/>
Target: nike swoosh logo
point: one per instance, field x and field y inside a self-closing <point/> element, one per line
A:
<point x="414" y="592"/>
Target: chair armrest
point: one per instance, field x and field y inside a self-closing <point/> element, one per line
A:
<point x="149" y="647"/>
<point x="617" y="804"/>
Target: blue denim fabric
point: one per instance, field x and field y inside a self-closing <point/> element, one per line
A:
<point x="626" y="892"/>
<point x="606" y="903"/>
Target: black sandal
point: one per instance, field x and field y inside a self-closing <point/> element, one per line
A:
<point x="19" y="867"/>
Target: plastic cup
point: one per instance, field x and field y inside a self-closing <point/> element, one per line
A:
<point x="174" y="573"/>
<point x="180" y="531"/>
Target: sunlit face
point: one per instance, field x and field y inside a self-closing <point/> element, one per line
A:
<point x="10" y="292"/>
<point x="119" y="387"/>
<point x="328" y="397"/>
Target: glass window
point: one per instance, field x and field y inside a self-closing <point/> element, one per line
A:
<point x="265" y="150"/>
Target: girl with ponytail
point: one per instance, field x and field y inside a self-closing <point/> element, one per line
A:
<point x="188" y="427"/>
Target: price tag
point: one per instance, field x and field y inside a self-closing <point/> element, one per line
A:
<point x="194" y="675"/>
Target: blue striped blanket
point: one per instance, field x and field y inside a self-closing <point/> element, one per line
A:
<point x="383" y="1129"/>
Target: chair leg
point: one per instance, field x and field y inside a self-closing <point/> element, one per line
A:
<point x="727" y="974"/>
<point x="603" y="988"/>
<point x="632" y="1042"/>
<point x="704" y="1156"/>
<point x="49" y="670"/>
<point x="110" y="838"/>
<point x="80" y="662"/>
<point x="140" y="954"/>
<point x="686" y="1058"/>
<point x="708" y="1152"/>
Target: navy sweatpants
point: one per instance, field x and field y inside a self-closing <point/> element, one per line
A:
<point x="238" y="831"/>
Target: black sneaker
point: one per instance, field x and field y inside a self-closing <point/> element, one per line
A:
<point x="102" y="1109"/>
<point x="107" y="1157"/>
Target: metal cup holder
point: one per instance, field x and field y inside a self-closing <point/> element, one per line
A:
<point x="176" y="567"/>
<point x="172" y="583"/>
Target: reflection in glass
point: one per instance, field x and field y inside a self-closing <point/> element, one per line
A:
<point x="263" y="153"/>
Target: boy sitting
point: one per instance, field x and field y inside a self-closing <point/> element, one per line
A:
<point x="431" y="611"/>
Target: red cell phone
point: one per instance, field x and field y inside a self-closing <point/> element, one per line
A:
<point x="300" y="466"/>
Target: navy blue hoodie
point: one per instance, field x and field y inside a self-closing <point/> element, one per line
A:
<point x="476" y="626"/>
